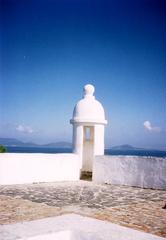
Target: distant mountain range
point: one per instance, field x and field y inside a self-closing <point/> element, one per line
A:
<point x="126" y="147"/>
<point x="12" y="142"/>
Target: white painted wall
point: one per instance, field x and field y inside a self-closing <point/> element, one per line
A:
<point x="18" y="168"/>
<point x="88" y="149"/>
<point x="77" y="139"/>
<point x="99" y="139"/>
<point x="147" y="172"/>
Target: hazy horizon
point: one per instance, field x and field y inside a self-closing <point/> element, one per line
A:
<point x="51" y="49"/>
<point x="70" y="142"/>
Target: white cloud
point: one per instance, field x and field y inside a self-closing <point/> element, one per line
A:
<point x="24" y="129"/>
<point x="148" y="126"/>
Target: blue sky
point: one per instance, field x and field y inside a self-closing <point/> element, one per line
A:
<point x="51" y="49"/>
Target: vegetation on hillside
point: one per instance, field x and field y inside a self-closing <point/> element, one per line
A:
<point x="3" y="149"/>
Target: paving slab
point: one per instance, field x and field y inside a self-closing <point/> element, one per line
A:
<point x="71" y="227"/>
<point x="132" y="207"/>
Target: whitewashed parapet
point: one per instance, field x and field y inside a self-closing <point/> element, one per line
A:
<point x="145" y="172"/>
<point x="20" y="168"/>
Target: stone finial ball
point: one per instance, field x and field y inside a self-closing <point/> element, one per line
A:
<point x="89" y="89"/>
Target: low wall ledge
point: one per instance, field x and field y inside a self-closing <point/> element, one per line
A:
<point x="145" y="172"/>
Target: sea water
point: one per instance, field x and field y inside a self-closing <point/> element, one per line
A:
<point x="155" y="153"/>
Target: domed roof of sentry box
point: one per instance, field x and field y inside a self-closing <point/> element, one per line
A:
<point x="88" y="109"/>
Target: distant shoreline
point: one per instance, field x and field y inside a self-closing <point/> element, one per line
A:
<point x="152" y="153"/>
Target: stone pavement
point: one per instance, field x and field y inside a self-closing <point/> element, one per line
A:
<point x="133" y="207"/>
